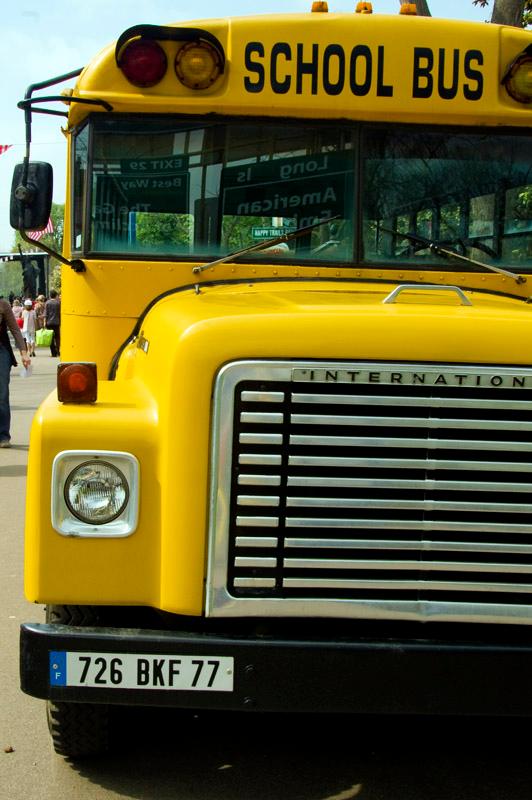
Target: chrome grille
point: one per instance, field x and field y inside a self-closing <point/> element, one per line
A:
<point x="405" y="493"/>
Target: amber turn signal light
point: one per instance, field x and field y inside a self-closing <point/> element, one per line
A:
<point x="198" y="65"/>
<point x="77" y="382"/>
<point x="518" y="77"/>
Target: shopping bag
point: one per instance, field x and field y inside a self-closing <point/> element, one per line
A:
<point x="43" y="337"/>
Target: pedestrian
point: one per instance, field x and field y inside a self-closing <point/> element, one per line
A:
<point x="8" y="360"/>
<point x="52" y="321"/>
<point x="38" y="307"/>
<point x="17" y="311"/>
<point x="28" y="327"/>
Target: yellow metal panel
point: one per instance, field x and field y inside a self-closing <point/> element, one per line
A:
<point x="366" y="67"/>
<point x="101" y="306"/>
<point x="159" y="410"/>
<point x="63" y="569"/>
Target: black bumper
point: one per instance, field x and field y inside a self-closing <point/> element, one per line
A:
<point x="391" y="677"/>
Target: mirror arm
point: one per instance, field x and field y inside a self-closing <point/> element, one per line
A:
<point x="76" y="264"/>
<point x="24" y="191"/>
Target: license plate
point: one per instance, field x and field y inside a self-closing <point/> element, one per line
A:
<point x="142" y="671"/>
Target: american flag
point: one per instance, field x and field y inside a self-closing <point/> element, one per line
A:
<point x="36" y="235"/>
<point x="4" y="147"/>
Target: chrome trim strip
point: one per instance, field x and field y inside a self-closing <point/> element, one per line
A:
<point x="261" y="438"/>
<point x="258" y="500"/>
<point x="260" y="563"/>
<point x="433" y="423"/>
<point x="255" y="583"/>
<point x="405" y="566"/>
<point x="258" y="522"/>
<point x="404" y="525"/>
<point x="261" y="480"/>
<point x="412" y="287"/>
<point x="425" y="444"/>
<point x="438" y="586"/>
<point x="261" y="418"/>
<point x="408" y="463"/>
<point x="262" y="397"/>
<point x="415" y="505"/>
<point x="261" y="459"/>
<point x="428" y="484"/>
<point x="256" y="541"/>
<point x="403" y="400"/>
<point x="421" y="545"/>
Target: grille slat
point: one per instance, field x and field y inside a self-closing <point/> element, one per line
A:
<point x="396" y="504"/>
<point x="399" y="463"/>
<point x="317" y="440"/>
<point x="427" y="485"/>
<point x="435" y="586"/>
<point x="394" y="400"/>
<point x="400" y="566"/>
<point x="333" y="523"/>
<point x="372" y="490"/>
<point x="406" y="422"/>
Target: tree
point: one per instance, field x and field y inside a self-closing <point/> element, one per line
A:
<point x="53" y="240"/>
<point x="517" y="13"/>
<point x="507" y="12"/>
<point x="163" y="230"/>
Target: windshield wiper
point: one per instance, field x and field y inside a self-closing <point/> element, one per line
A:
<point x="442" y="251"/>
<point x="285" y="237"/>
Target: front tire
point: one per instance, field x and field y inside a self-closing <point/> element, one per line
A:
<point x="78" y="730"/>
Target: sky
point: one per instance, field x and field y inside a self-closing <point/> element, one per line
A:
<point x="43" y="40"/>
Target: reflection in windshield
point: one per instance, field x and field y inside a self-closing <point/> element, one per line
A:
<point x="468" y="193"/>
<point x="160" y="187"/>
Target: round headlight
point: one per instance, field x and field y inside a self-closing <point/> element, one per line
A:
<point x="96" y="492"/>
<point x="197" y="65"/>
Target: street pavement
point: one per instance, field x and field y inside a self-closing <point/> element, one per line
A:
<point x="22" y="721"/>
<point x="167" y="756"/>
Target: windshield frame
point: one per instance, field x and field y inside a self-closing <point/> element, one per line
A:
<point x="354" y="259"/>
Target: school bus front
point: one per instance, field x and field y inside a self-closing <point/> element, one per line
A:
<point x="301" y="249"/>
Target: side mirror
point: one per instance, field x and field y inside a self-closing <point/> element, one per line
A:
<point x="31" y="199"/>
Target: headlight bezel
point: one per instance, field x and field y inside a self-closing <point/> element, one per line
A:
<point x="64" y="519"/>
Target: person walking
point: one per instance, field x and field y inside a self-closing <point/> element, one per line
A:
<point x="8" y="360"/>
<point x="28" y="326"/>
<point x="38" y="307"/>
<point x="52" y="321"/>
<point x="17" y="311"/>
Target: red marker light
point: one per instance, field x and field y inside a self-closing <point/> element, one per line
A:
<point x="77" y="383"/>
<point x="143" y="62"/>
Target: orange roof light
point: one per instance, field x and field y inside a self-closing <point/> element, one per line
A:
<point x="518" y="77"/>
<point x="320" y="5"/>
<point x="408" y="8"/>
<point x="364" y="8"/>
<point x="198" y="64"/>
<point x="77" y="382"/>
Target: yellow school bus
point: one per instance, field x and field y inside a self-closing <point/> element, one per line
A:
<point x="288" y="464"/>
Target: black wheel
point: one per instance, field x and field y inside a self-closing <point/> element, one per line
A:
<point x="77" y="729"/>
<point x="83" y="616"/>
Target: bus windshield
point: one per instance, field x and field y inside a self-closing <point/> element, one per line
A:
<point x="162" y="187"/>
